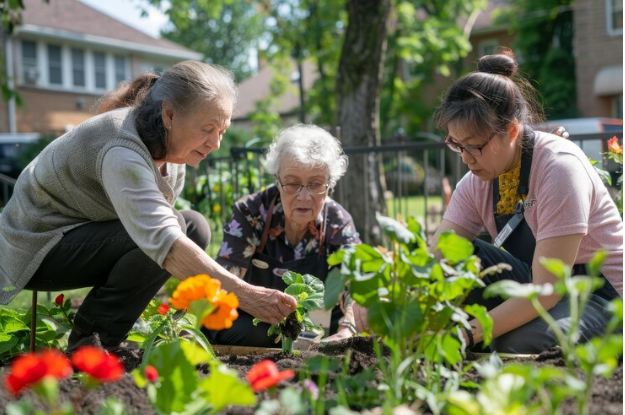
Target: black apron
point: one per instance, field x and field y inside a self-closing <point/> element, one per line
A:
<point x="514" y="234"/>
<point x="266" y="271"/>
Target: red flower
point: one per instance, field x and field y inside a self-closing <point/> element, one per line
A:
<point x="265" y="374"/>
<point x="614" y="146"/>
<point x="97" y="364"/>
<point x="151" y="373"/>
<point x="59" y="300"/>
<point x="29" y="369"/>
<point x="163" y="309"/>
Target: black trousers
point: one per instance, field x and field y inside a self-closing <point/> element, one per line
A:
<point x="536" y="336"/>
<point x="124" y="279"/>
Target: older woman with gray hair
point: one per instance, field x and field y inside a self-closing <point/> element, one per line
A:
<point x="292" y="225"/>
<point x="96" y="207"/>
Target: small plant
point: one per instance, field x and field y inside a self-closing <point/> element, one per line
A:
<point x="174" y="386"/>
<point x="308" y="291"/>
<point x="598" y="356"/>
<point x="52" y="326"/>
<point x="415" y="303"/>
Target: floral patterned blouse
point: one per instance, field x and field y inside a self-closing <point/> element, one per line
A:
<point x="243" y="233"/>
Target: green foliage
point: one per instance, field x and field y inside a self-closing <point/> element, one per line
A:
<point x="544" y="45"/>
<point x="153" y="330"/>
<point x="414" y="302"/>
<point x="308" y="292"/>
<point x="598" y="356"/>
<point x="179" y="388"/>
<point x="51" y="329"/>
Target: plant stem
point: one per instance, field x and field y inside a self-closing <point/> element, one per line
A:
<point x="287" y="345"/>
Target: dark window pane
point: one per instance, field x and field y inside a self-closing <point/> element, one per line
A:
<point x="55" y="69"/>
<point x="99" y="60"/>
<point x="78" y="67"/>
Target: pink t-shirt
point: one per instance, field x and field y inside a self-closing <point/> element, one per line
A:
<point x="566" y="197"/>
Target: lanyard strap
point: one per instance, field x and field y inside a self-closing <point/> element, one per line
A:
<point x="522" y="190"/>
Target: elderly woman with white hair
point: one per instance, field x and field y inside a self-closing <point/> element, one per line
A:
<point x="292" y="225"/>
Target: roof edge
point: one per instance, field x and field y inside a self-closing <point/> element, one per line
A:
<point x="141" y="48"/>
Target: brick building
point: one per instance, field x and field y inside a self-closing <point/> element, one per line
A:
<point x="65" y="55"/>
<point x="599" y="57"/>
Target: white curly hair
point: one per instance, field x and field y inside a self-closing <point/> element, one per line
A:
<point x="310" y="146"/>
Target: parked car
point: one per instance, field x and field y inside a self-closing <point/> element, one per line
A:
<point x="11" y="145"/>
<point x="579" y="127"/>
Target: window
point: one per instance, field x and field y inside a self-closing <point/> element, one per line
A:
<point x="30" y="73"/>
<point x="618" y="107"/>
<point x="78" y="67"/>
<point x="99" y="63"/>
<point x="614" y="9"/>
<point x="55" y="65"/>
<point x="488" y="47"/>
<point x="120" y="68"/>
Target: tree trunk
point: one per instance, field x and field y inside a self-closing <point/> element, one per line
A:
<point x="359" y="82"/>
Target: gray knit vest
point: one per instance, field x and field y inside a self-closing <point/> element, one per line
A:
<point x="62" y="189"/>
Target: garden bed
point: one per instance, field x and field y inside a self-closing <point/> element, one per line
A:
<point x="607" y="396"/>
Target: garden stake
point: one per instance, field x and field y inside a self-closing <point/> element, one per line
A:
<point x="33" y="321"/>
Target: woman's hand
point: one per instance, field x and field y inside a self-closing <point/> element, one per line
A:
<point x="270" y="306"/>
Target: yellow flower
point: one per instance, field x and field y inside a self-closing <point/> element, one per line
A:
<point x="216" y="188"/>
<point x="216" y="208"/>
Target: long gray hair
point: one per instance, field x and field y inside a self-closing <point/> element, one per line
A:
<point x="185" y="85"/>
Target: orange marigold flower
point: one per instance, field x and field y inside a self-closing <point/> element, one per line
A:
<point x="163" y="309"/>
<point x="224" y="314"/>
<point x="98" y="364"/>
<point x="614" y="146"/>
<point x="29" y="369"/>
<point x="265" y="374"/>
<point x="194" y="288"/>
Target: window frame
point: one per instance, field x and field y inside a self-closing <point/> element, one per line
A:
<point x="609" y="12"/>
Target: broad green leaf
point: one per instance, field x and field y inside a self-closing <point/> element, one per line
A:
<point x="177" y="375"/>
<point x="335" y="285"/>
<point x="395" y="230"/>
<point x="197" y="354"/>
<point x="222" y="387"/>
<point x="481" y="314"/>
<point x="556" y="267"/>
<point x="395" y="320"/>
<point x="454" y="248"/>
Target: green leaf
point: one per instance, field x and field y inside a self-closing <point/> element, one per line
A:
<point x="395" y="320"/>
<point x="556" y="266"/>
<point x="593" y="267"/>
<point x="513" y="289"/>
<point x="454" y="248"/>
<point x="222" y="387"/>
<point x="197" y="354"/>
<point x="177" y="375"/>
<point x="395" y="230"/>
<point x="334" y="287"/>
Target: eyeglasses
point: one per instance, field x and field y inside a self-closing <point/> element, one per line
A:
<point x="472" y="150"/>
<point x="295" y="188"/>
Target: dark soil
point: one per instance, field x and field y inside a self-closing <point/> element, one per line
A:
<point x="607" y="396"/>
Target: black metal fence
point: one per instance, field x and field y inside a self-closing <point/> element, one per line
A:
<point x="415" y="177"/>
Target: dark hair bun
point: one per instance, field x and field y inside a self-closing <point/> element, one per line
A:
<point x="500" y="64"/>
